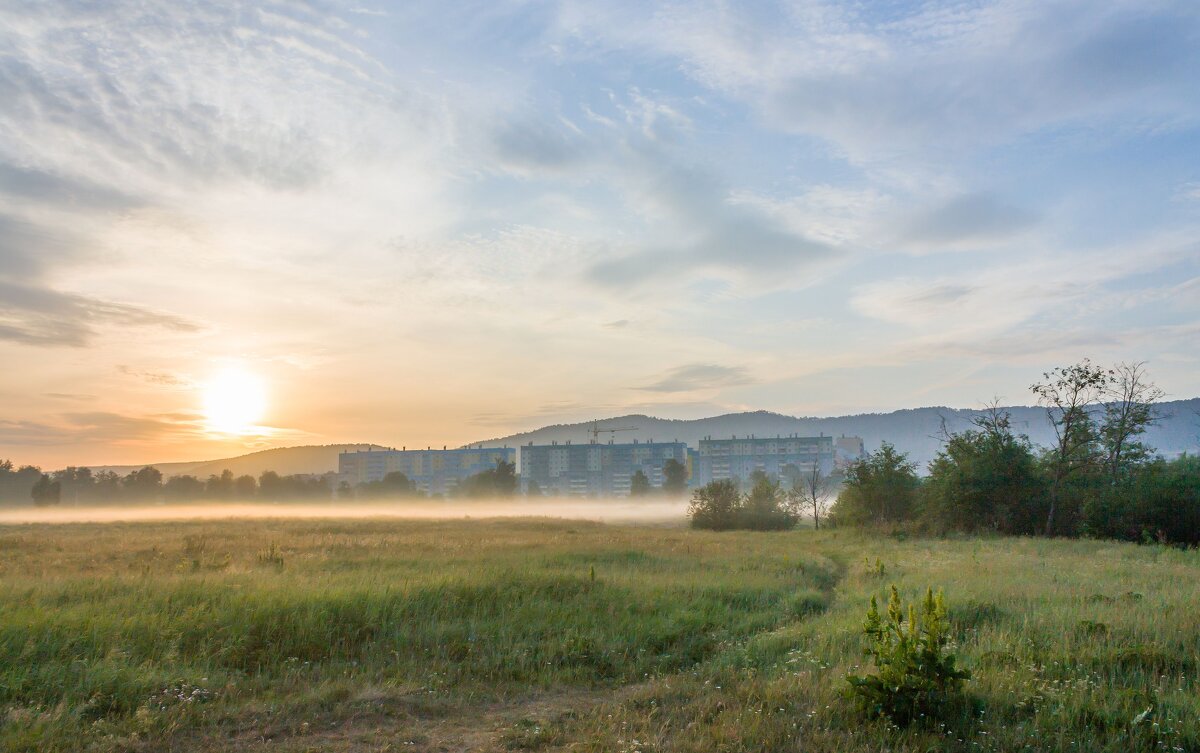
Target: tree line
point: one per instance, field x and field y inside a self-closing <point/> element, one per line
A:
<point x="79" y="485"/>
<point x="1098" y="478"/>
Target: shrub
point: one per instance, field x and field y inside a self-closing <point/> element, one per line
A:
<point x="916" y="674"/>
<point x="985" y="479"/>
<point x="880" y="489"/>
<point x="719" y="506"/>
<point x="766" y="507"/>
<point x="715" y="505"/>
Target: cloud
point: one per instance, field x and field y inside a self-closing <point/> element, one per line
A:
<point x="967" y="221"/>
<point x="920" y="80"/>
<point x="43" y="317"/>
<point x="154" y="377"/>
<point x="26" y="248"/>
<point x="535" y="145"/>
<point x="66" y="192"/>
<point x="87" y="427"/>
<point x="715" y="233"/>
<point x="699" y="376"/>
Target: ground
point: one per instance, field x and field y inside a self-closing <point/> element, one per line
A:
<point x="542" y="634"/>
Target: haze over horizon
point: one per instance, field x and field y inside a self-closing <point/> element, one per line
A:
<point x="230" y="228"/>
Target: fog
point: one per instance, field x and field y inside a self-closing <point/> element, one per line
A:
<point x="662" y="512"/>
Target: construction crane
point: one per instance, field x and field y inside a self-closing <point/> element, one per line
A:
<point x="596" y="431"/>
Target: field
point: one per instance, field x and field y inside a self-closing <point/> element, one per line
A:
<point x="542" y="634"/>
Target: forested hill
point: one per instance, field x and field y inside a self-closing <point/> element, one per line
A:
<point x="915" y="431"/>
<point x="282" y="460"/>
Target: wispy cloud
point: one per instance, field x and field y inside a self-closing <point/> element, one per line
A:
<point x="699" y="376"/>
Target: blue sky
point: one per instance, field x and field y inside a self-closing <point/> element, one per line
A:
<point x="428" y="223"/>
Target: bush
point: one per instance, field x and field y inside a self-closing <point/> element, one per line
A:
<point x="916" y="675"/>
<point x="985" y="480"/>
<point x="767" y="507"/>
<point x="880" y="489"/>
<point x="715" y="506"/>
<point x="719" y="506"/>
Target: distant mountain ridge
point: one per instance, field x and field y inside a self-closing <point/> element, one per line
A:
<point x="915" y="431"/>
<point x="283" y="460"/>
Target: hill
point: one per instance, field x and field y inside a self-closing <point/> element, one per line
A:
<point x="915" y="431"/>
<point x="282" y="460"/>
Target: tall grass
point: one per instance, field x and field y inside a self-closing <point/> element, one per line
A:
<point x="144" y="636"/>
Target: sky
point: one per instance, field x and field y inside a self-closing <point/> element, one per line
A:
<point x="431" y="223"/>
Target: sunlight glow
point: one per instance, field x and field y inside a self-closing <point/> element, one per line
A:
<point x="234" y="402"/>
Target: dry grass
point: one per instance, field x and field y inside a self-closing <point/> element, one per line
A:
<point x="526" y="634"/>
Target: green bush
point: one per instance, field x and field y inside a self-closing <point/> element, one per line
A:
<point x="916" y="675"/>
<point x="719" y="506"/>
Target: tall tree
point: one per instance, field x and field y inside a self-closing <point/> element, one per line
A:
<point x="144" y="483"/>
<point x="245" y="487"/>
<point x="879" y="489"/>
<point x="1066" y="392"/>
<point x="675" y="478"/>
<point x="985" y="478"/>
<point x="46" y="491"/>
<point x="639" y="484"/>
<point x="1129" y="410"/>
<point x="812" y="491"/>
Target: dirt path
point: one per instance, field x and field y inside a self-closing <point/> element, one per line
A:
<point x="410" y="724"/>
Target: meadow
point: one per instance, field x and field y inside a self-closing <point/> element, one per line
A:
<point x="547" y="634"/>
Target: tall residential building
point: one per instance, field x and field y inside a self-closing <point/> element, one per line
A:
<point x="736" y="458"/>
<point x="848" y="450"/>
<point x="433" y="471"/>
<point x="596" y="469"/>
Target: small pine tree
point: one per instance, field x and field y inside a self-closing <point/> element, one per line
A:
<point x="916" y="674"/>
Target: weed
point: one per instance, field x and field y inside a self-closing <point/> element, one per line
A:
<point x="916" y="673"/>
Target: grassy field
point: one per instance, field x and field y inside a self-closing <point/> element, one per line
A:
<point x="537" y="634"/>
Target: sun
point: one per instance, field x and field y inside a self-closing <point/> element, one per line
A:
<point x="234" y="402"/>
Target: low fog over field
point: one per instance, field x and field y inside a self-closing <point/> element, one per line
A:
<point x="608" y="510"/>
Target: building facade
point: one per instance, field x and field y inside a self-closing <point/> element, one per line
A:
<point x="433" y="471"/>
<point x="735" y="458"/>
<point x="595" y="469"/>
<point x="848" y="450"/>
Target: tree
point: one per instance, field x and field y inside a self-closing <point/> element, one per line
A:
<point x="75" y="483"/>
<point x="766" y="507"/>
<point x="393" y="484"/>
<point x="107" y="487"/>
<point x="985" y="479"/>
<point x="183" y="488"/>
<point x="715" y="505"/>
<point x="1158" y="501"/>
<point x="811" y="492"/>
<point x="1128" y="411"/>
<point x="245" y="487"/>
<point x="1066" y="392"/>
<point x="145" y="483"/>
<point x="45" y="491"/>
<point x="675" y="478"/>
<point x="533" y="488"/>
<point x="270" y="485"/>
<point x="500" y="481"/>
<point x="639" y="484"/>
<point x="220" y="487"/>
<point x="879" y="489"/>
<point x="506" y="478"/>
